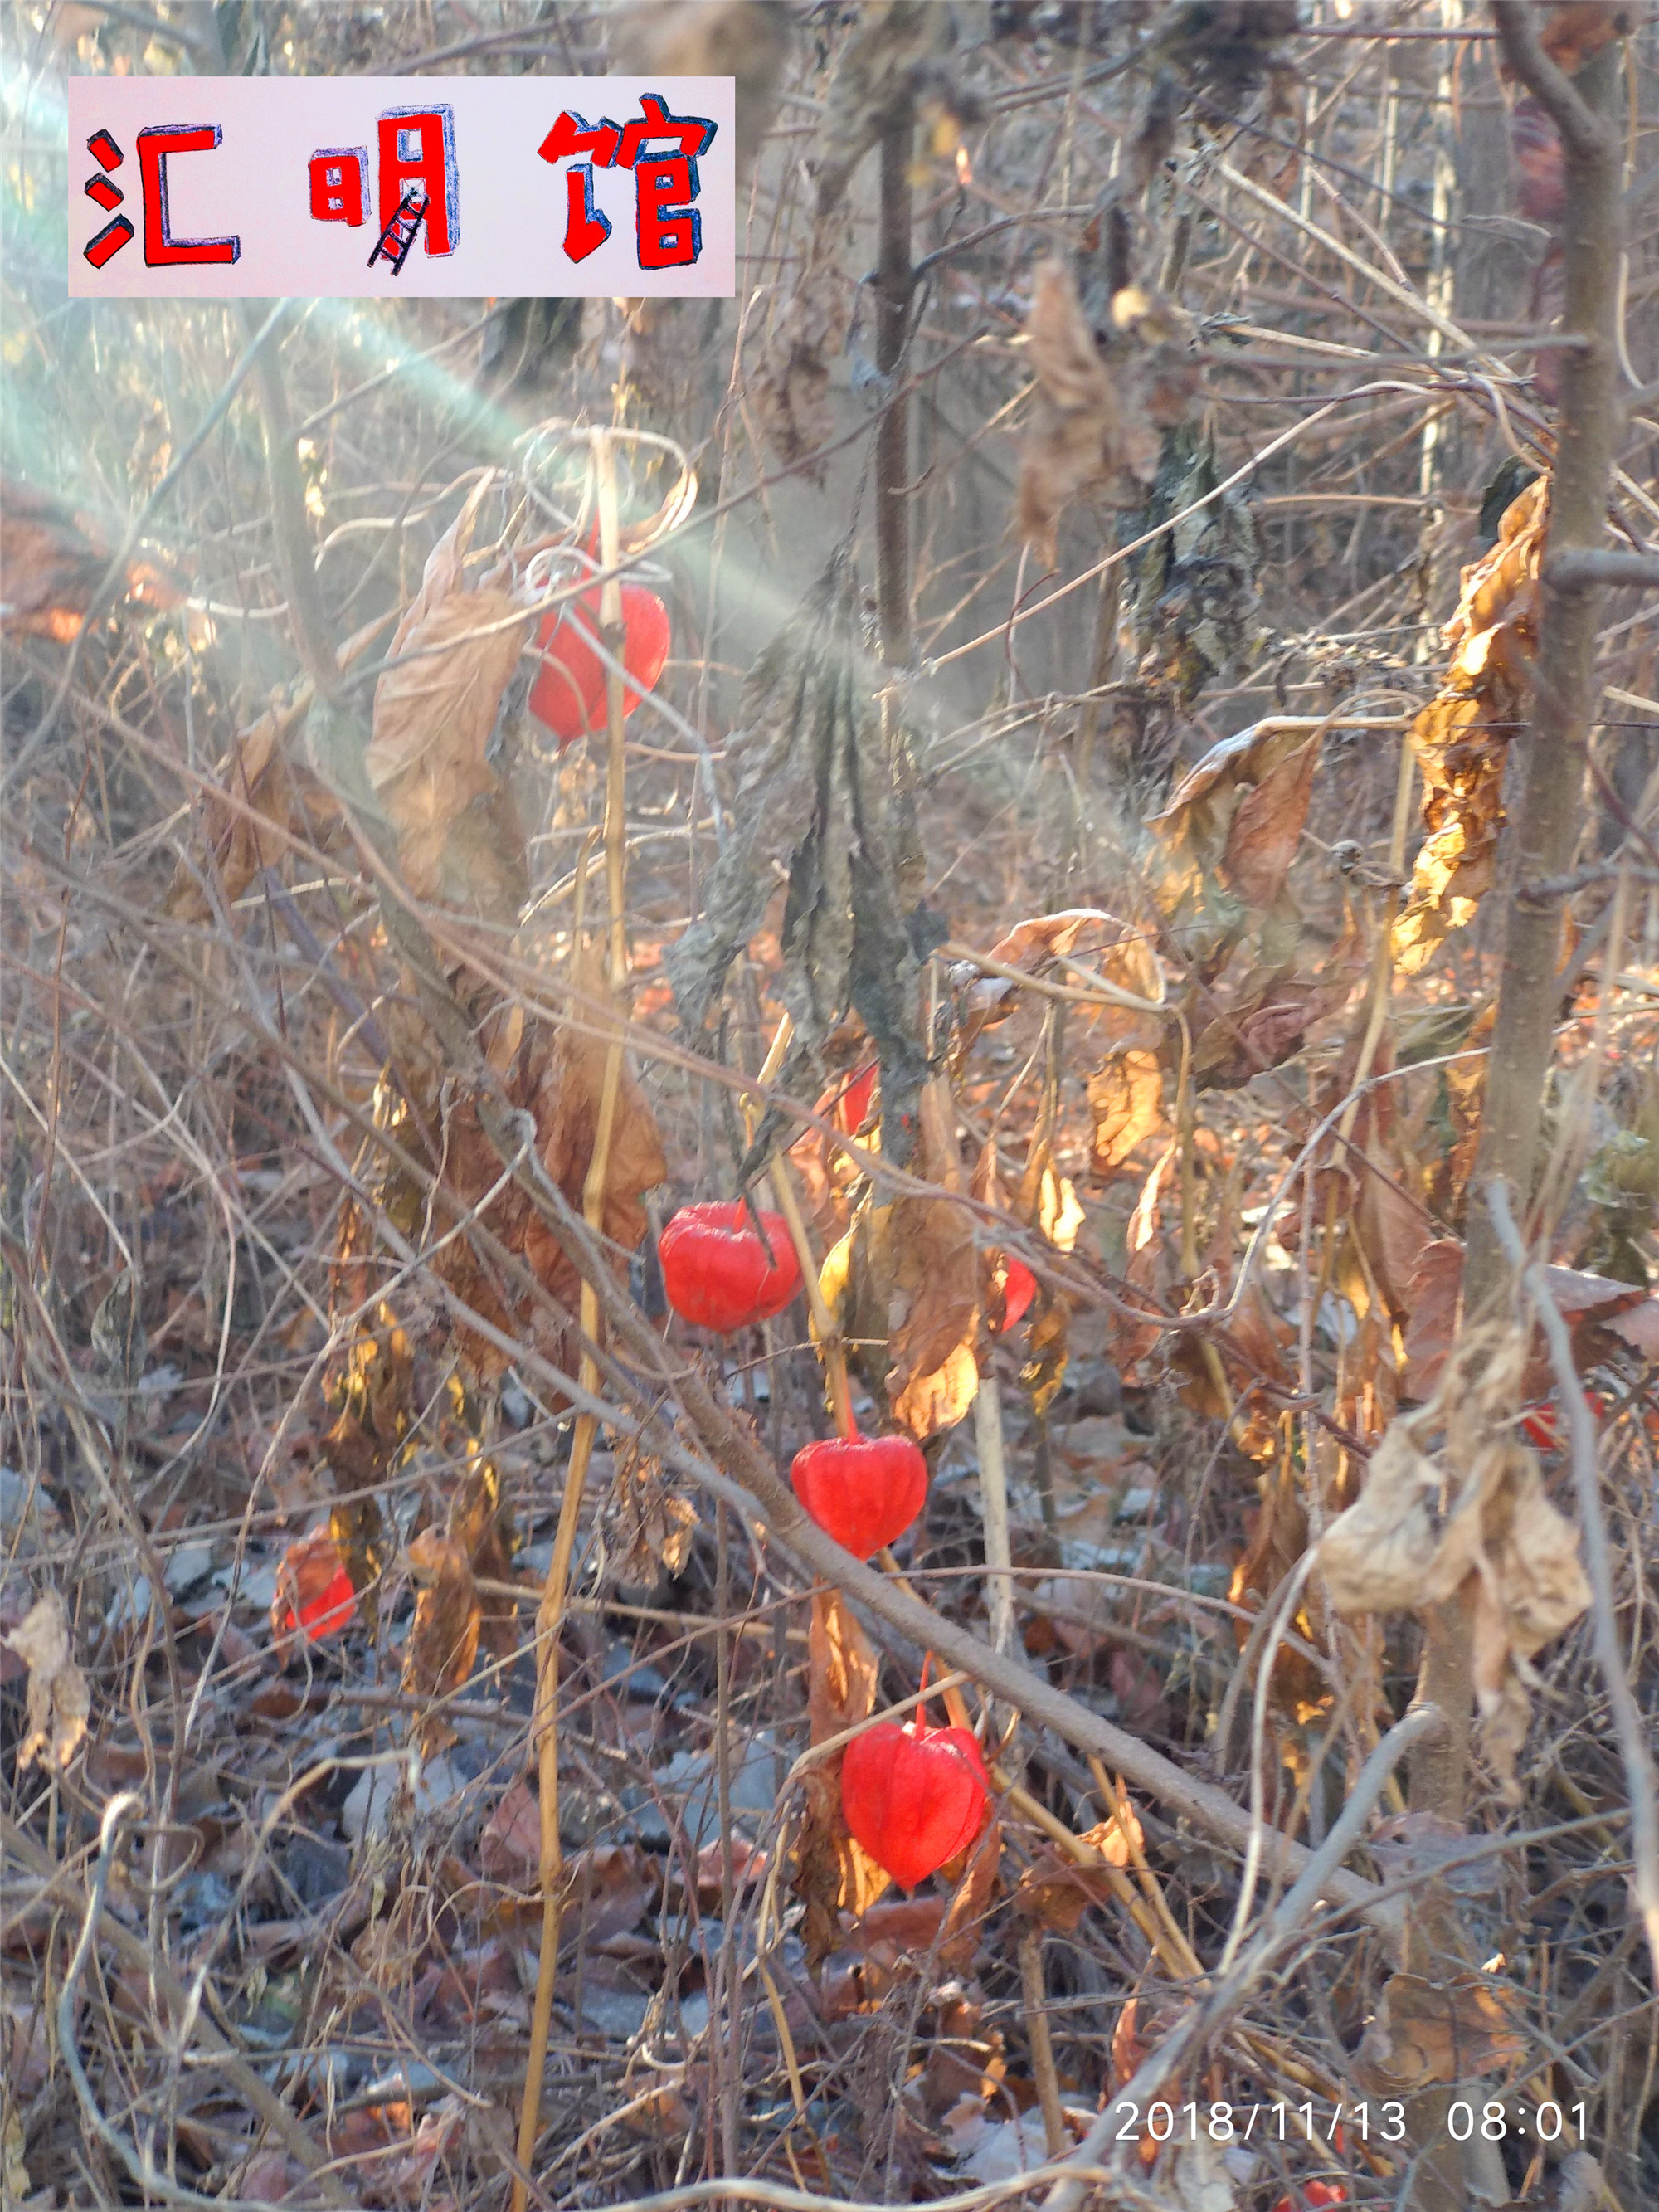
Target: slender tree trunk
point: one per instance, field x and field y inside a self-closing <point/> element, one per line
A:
<point x="1544" y="830"/>
<point x="894" y="281"/>
<point x="1541" y="841"/>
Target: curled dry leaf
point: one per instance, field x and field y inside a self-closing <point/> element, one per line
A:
<point x="443" y="1642"/>
<point x="933" y="1306"/>
<point x="1461" y="736"/>
<point x="1425" y="2032"/>
<point x="1267" y="827"/>
<point x="1077" y="437"/>
<point x="833" y="1874"/>
<point x="288" y="803"/>
<point x="1197" y="820"/>
<point x="1375" y="1557"/>
<point x="1057" y="1889"/>
<point x="1432" y="1290"/>
<point x="1130" y="1340"/>
<point x="1423" y="1525"/>
<point x="58" y="1701"/>
<point x="53" y="560"/>
<point x="434" y="718"/>
<point x="790" y="387"/>
<point x="1126" y="961"/>
<point x="1125" y="1098"/>
<point x="885" y="55"/>
<point x="970" y="1901"/>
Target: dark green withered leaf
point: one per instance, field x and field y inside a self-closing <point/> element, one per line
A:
<point x="826" y="793"/>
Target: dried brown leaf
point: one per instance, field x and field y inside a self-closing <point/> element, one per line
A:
<point x="1425" y="2032"/>
<point x="1077" y="432"/>
<point x="434" y="718"/>
<point x="1461" y="736"/>
<point x="288" y="801"/>
<point x="443" y="1642"/>
<point x="834" y="1874"/>
<point x="53" y="560"/>
<point x="1126" y="1097"/>
<point x="510" y="1847"/>
<point x="1034" y="945"/>
<point x="58" y="1700"/>
<point x="1432" y="1290"/>
<point x="1199" y="812"/>
<point x="1267" y="827"/>
<point x="970" y="1901"/>
<point x="1376" y="1557"/>
<point x="873" y="82"/>
<point x="933" y="1308"/>
<point x="790" y="387"/>
<point x="1132" y="1340"/>
<point x="842" y="1667"/>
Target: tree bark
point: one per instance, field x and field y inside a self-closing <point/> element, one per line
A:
<point x="894" y="282"/>
<point x="1541" y="840"/>
<point x="1544" y="830"/>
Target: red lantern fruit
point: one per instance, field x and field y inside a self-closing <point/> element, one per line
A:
<point x="716" y="1272"/>
<point x="863" y="1490"/>
<point x="914" y="1796"/>
<point x="1019" y="1289"/>
<point x="568" y="694"/>
<point x="852" y="1107"/>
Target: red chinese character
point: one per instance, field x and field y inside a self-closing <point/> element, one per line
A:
<point x="339" y="184"/>
<point x="669" y="232"/>
<point x="417" y="147"/>
<point x="161" y="249"/>
<point x="668" y="228"/>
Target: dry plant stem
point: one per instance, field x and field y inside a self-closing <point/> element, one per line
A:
<point x="1627" y="1721"/>
<point x="550" y="1613"/>
<point x="1035" y="1995"/>
<point x="893" y="284"/>
<point x="994" y="1498"/>
<point x="1546" y="828"/>
<point x="742" y="1472"/>
<point x="136" y="1955"/>
<point x="1283" y="1925"/>
<point x="831" y="1349"/>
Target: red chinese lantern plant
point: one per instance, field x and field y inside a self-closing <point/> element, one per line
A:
<point x="863" y="1490"/>
<point x="1019" y="1289"/>
<point x="568" y="694"/>
<point x="716" y="1271"/>
<point x="913" y="1797"/>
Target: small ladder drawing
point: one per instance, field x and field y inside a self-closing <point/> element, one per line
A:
<point x="398" y="235"/>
